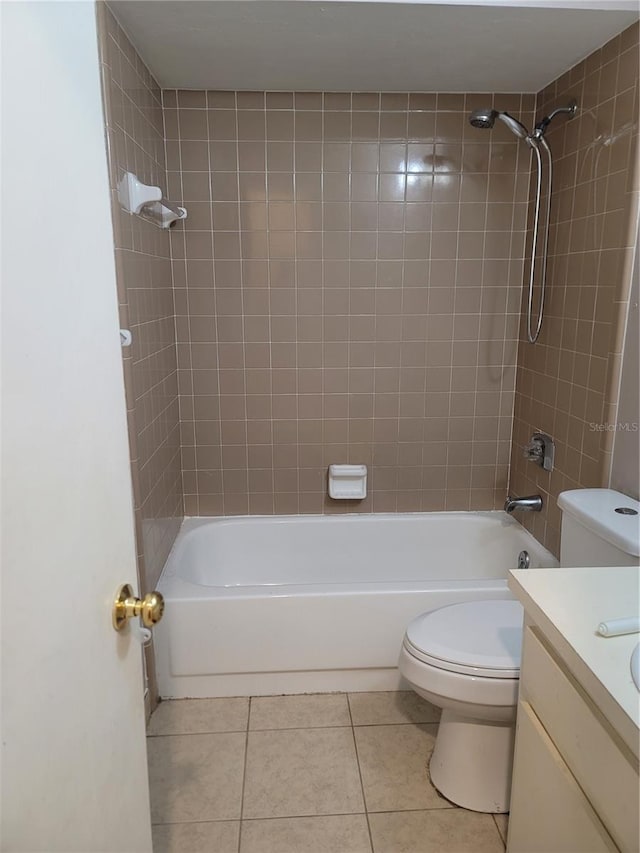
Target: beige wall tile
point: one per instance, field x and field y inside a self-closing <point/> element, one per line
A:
<point x="145" y="291"/>
<point x="563" y="380"/>
<point x="376" y="232"/>
<point x="338" y="268"/>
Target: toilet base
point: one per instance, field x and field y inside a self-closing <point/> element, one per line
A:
<point x="472" y="762"/>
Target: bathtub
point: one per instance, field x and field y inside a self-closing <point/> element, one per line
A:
<point x="300" y="604"/>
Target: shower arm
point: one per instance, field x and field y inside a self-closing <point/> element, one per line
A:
<point x="541" y="127"/>
<point x="535" y="142"/>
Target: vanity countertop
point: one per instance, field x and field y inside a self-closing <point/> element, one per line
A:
<point x="567" y="605"/>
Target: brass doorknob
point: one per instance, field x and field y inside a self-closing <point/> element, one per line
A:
<point x="126" y="606"/>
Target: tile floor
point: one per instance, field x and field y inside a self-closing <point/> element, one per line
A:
<point x="322" y="773"/>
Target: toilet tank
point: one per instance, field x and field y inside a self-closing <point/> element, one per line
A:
<point x="595" y="532"/>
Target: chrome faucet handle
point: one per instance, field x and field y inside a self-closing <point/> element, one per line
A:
<point x="541" y="450"/>
<point x="534" y="450"/>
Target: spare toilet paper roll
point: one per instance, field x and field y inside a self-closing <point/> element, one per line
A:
<point x="616" y="627"/>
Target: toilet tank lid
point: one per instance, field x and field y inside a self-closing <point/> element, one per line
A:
<point x="596" y="509"/>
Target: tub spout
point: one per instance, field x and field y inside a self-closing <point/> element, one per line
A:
<point x="532" y="503"/>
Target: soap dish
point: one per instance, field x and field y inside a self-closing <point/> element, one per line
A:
<point x="348" y="482"/>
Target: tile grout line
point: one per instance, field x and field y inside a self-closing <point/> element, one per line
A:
<point x="244" y="773"/>
<point x="351" y="724"/>
<point x="301" y="816"/>
<point x="503" y="840"/>
<point x="355" y="746"/>
<point x="297" y="728"/>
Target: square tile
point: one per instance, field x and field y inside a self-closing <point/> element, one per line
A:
<point x="456" y="831"/>
<point x="197" y="716"/>
<point x="394" y="766"/>
<point x="344" y="833"/>
<point x="299" y="712"/>
<point x="301" y="772"/>
<point x="196" y="777"/>
<point x="221" y="836"/>
<point x="403" y="706"/>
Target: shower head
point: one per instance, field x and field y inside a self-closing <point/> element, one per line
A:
<point x="486" y="118"/>
<point x="483" y="118"/>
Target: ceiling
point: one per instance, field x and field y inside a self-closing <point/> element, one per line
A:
<point x="303" y="45"/>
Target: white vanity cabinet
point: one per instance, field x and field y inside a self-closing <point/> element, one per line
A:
<point x="549" y="811"/>
<point x="575" y="782"/>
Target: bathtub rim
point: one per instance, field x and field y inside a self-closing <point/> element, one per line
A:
<point x="192" y="522"/>
<point x="175" y="586"/>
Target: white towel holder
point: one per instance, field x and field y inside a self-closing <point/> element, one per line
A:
<point x="147" y="201"/>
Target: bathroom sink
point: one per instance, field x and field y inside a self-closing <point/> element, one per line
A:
<point x="635" y="666"/>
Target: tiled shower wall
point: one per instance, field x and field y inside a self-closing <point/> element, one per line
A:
<point x="134" y="125"/>
<point x="567" y="383"/>
<point x="347" y="289"/>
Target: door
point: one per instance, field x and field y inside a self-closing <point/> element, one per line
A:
<point x="74" y="774"/>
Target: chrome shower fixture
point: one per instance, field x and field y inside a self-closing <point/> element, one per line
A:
<point x="486" y="118"/>
<point x="543" y="124"/>
<point x="541" y="449"/>
<point x="532" y="503"/>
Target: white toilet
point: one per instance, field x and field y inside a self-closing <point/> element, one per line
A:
<point x="466" y="658"/>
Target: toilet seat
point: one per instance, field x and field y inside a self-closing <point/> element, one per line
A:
<point x="459" y="668"/>
<point x="477" y="638"/>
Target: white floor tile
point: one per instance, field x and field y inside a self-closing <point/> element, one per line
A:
<point x="299" y="712"/>
<point x="196" y="777"/>
<point x="301" y="772"/>
<point x="435" y="831"/>
<point x="394" y="766"/>
<point x="221" y="837"/>
<point x="199" y="716"/>
<point x="330" y="834"/>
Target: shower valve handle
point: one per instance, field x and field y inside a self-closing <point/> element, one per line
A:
<point x="541" y="450"/>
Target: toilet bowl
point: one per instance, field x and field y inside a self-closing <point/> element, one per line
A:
<point x="465" y="659"/>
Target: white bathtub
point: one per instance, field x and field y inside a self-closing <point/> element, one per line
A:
<point x="296" y="604"/>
